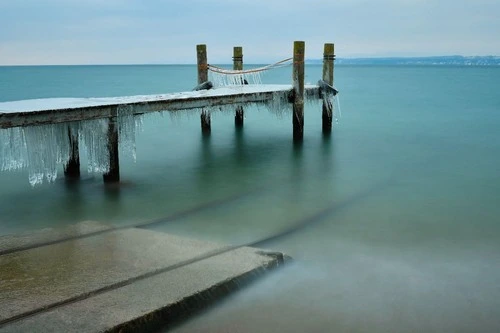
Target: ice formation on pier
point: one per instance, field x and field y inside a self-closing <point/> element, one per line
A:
<point x="94" y="136"/>
<point x="234" y="79"/>
<point x="42" y="149"/>
<point x="128" y="125"/>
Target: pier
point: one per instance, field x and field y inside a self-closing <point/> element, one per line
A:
<point x="205" y="97"/>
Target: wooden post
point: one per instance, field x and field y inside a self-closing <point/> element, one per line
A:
<point x="238" y="65"/>
<point x="201" y="53"/>
<point x="72" y="168"/>
<point x="328" y="58"/>
<point x="206" y="126"/>
<point x="113" y="175"/>
<point x="298" y="88"/>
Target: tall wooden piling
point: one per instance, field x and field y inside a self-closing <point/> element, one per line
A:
<point x="206" y="125"/>
<point x="72" y="168"/>
<point x="238" y="65"/>
<point x="113" y="175"/>
<point x="201" y="55"/>
<point x="298" y="89"/>
<point x="328" y="59"/>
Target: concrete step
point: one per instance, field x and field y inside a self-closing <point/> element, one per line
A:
<point x="119" y="279"/>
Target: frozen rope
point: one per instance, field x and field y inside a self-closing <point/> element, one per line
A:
<point x="220" y="70"/>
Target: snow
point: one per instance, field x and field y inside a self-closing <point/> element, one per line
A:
<point x="35" y="105"/>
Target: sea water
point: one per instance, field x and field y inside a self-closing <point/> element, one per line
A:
<point x="409" y="183"/>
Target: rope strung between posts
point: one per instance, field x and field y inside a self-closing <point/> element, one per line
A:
<point x="228" y="77"/>
<point x="282" y="63"/>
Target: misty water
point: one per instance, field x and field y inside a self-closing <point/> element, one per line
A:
<point x="402" y="199"/>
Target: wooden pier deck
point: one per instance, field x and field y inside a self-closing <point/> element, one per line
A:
<point x="60" y="110"/>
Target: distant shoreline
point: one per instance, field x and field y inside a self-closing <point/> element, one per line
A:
<point x="366" y="61"/>
<point x="433" y="60"/>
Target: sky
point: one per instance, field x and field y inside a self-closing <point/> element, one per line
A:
<point x="45" y="32"/>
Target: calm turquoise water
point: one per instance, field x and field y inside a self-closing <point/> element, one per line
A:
<point x="409" y="180"/>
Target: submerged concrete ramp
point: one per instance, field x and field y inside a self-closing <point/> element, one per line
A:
<point x="119" y="280"/>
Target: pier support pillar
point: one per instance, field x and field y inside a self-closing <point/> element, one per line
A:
<point x="206" y="126"/>
<point x="113" y="175"/>
<point x="239" y="116"/>
<point x="201" y="56"/>
<point x="328" y="66"/>
<point x="298" y="88"/>
<point x="72" y="168"/>
<point x="238" y="65"/>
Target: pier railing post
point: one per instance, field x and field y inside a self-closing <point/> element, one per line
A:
<point x="201" y="55"/>
<point x="238" y="65"/>
<point x="328" y="59"/>
<point x="72" y="168"/>
<point x="113" y="175"/>
<point x="298" y="87"/>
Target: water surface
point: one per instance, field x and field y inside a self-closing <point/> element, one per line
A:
<point x="409" y="183"/>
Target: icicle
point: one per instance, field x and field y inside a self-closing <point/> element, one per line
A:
<point x="47" y="146"/>
<point x="234" y="79"/>
<point x="128" y="125"/>
<point x="94" y="135"/>
<point x="336" y="97"/>
<point x="279" y="105"/>
<point x="12" y="149"/>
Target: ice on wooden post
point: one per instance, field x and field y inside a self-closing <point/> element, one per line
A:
<point x="238" y="65"/>
<point x="327" y="114"/>
<point x="113" y="173"/>
<point x="201" y="55"/>
<point x="298" y="87"/>
<point x="72" y="167"/>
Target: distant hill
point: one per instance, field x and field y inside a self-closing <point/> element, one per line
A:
<point x="435" y="61"/>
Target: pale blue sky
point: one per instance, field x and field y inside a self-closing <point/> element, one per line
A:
<point x="167" y="31"/>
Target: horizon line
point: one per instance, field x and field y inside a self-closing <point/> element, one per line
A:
<point x="256" y="63"/>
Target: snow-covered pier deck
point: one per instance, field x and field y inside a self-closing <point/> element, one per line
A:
<point x="60" y="110"/>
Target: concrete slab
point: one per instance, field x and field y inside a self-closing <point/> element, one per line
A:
<point x="14" y="243"/>
<point x="40" y="278"/>
<point x="163" y="298"/>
